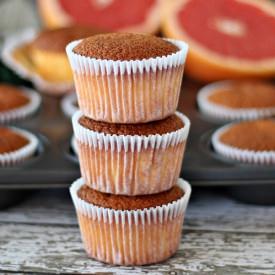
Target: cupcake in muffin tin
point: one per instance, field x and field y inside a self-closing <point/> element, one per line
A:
<point x="237" y="100"/>
<point x="248" y="142"/>
<point x="16" y="145"/>
<point x="17" y="102"/>
<point x="127" y="78"/>
<point x="131" y="159"/>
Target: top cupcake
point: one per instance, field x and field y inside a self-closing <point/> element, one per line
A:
<point x="124" y="46"/>
<point x="126" y="77"/>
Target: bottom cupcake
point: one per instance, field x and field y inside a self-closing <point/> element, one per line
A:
<point x="126" y="230"/>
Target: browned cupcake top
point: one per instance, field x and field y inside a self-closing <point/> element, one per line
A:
<point x="124" y="46"/>
<point x="258" y="135"/>
<point x="56" y="40"/>
<point x="11" y="141"/>
<point x="11" y="97"/>
<point x="245" y="94"/>
<point x="121" y="202"/>
<point x="167" y="125"/>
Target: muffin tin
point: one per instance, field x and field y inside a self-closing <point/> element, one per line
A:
<point x="55" y="165"/>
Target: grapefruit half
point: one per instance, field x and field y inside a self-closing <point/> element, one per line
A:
<point x="110" y="15"/>
<point x="227" y="38"/>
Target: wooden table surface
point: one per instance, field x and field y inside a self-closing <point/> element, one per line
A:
<point x="220" y="236"/>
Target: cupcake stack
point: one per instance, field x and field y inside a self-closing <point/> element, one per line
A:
<point x="130" y="201"/>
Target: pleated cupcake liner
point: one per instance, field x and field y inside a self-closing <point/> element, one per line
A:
<point x="241" y="155"/>
<point x="220" y="112"/>
<point x="130" y="165"/>
<point x="68" y="105"/>
<point x="17" y="40"/>
<point x="132" y="91"/>
<point x="23" y="111"/>
<point x="131" y="237"/>
<point x="18" y="156"/>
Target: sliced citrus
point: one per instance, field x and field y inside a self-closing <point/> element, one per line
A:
<point x="227" y="38"/>
<point x="113" y="15"/>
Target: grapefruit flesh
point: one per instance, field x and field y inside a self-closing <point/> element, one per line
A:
<point x="228" y="38"/>
<point x="250" y="27"/>
<point x="116" y="15"/>
<point x="111" y="15"/>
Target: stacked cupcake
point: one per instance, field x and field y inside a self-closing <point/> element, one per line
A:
<point x="130" y="139"/>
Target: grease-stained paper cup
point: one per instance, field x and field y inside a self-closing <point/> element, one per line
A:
<point x="238" y="154"/>
<point x="132" y="164"/>
<point x="131" y="237"/>
<point x="18" y="59"/>
<point x="18" y="156"/>
<point x="22" y="111"/>
<point x="226" y="113"/>
<point x="128" y="91"/>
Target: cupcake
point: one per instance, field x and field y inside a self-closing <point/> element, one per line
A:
<point x="48" y="52"/>
<point x="16" y="145"/>
<point x="69" y="104"/>
<point x="127" y="78"/>
<point x="17" y="102"/>
<point x="131" y="159"/>
<point x="130" y="230"/>
<point x="235" y="100"/>
<point x="249" y="142"/>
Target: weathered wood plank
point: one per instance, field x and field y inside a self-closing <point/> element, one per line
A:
<point x="207" y="211"/>
<point x="55" y="249"/>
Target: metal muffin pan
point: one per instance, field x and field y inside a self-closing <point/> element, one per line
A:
<point x="55" y="164"/>
<point x="202" y="165"/>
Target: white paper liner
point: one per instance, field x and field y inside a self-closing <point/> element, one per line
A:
<point x="234" y="153"/>
<point x="68" y="105"/>
<point x="23" y="111"/>
<point x="89" y="65"/>
<point x="134" y="91"/>
<point x="130" y="165"/>
<point x="17" y="40"/>
<point x="226" y="113"/>
<point x="127" y="142"/>
<point x="23" y="153"/>
<point x="136" y="237"/>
